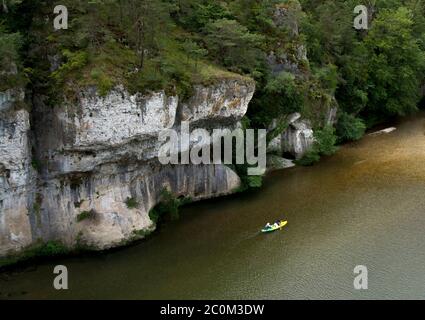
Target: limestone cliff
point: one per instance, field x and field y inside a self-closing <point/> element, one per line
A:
<point x="16" y="178"/>
<point x="95" y="153"/>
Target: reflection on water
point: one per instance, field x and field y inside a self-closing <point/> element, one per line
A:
<point x="363" y="206"/>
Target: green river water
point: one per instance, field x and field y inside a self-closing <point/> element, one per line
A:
<point x="363" y="206"/>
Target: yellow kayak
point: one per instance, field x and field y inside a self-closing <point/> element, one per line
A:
<point x="275" y="227"/>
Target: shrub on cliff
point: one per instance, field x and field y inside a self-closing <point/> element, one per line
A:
<point x="36" y="251"/>
<point x="324" y="145"/>
<point x="349" y="128"/>
<point x="10" y="75"/>
<point x="282" y="95"/>
<point x="86" y="215"/>
<point x="131" y="203"/>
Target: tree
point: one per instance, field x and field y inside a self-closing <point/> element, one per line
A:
<point x="10" y="75"/>
<point x="396" y="63"/>
<point x="255" y="14"/>
<point x="232" y="45"/>
<point x="196" y="14"/>
<point x="6" y="4"/>
<point x="283" y="95"/>
<point x="349" y="128"/>
<point x="194" y="51"/>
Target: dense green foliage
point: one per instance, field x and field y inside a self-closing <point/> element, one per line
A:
<point x="349" y="128"/>
<point x="172" y="44"/>
<point x="131" y="203"/>
<point x="282" y="95"/>
<point x="324" y="146"/>
<point x="10" y="44"/>
<point x="36" y="251"/>
<point x="86" y="215"/>
<point x="379" y="70"/>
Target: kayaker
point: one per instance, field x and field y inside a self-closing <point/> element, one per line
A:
<point x="268" y="225"/>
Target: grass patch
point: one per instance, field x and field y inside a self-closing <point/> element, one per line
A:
<point x="47" y="249"/>
<point x="131" y="203"/>
<point x="35" y="164"/>
<point x="86" y="215"/>
<point x="173" y="70"/>
<point x="254" y="181"/>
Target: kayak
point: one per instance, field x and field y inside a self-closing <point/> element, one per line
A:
<point x="274" y="227"/>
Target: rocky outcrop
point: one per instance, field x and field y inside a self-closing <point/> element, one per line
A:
<point x="9" y="97"/>
<point x="275" y="162"/>
<point x="226" y="103"/>
<point x="104" y="195"/>
<point x="95" y="155"/>
<point x="16" y="174"/>
<point x="290" y="55"/>
<point x="296" y="140"/>
<point x="287" y="15"/>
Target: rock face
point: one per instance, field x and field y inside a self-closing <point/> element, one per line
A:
<point x="291" y="57"/>
<point x="225" y="103"/>
<point x="275" y="162"/>
<point x="287" y="15"/>
<point x="16" y="175"/>
<point x="104" y="193"/>
<point x="296" y="140"/>
<point x="282" y="58"/>
<point x="95" y="155"/>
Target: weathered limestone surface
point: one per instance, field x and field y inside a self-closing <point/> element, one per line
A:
<point x="16" y="175"/>
<point x="281" y="59"/>
<point x="94" y="154"/>
<point x="296" y="140"/>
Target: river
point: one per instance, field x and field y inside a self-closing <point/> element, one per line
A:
<point x="363" y="206"/>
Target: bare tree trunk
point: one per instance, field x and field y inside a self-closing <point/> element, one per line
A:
<point x="140" y="41"/>
<point x="5" y="9"/>
<point x="142" y="33"/>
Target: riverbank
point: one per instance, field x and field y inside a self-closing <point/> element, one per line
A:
<point x="362" y="206"/>
<point x="51" y="250"/>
